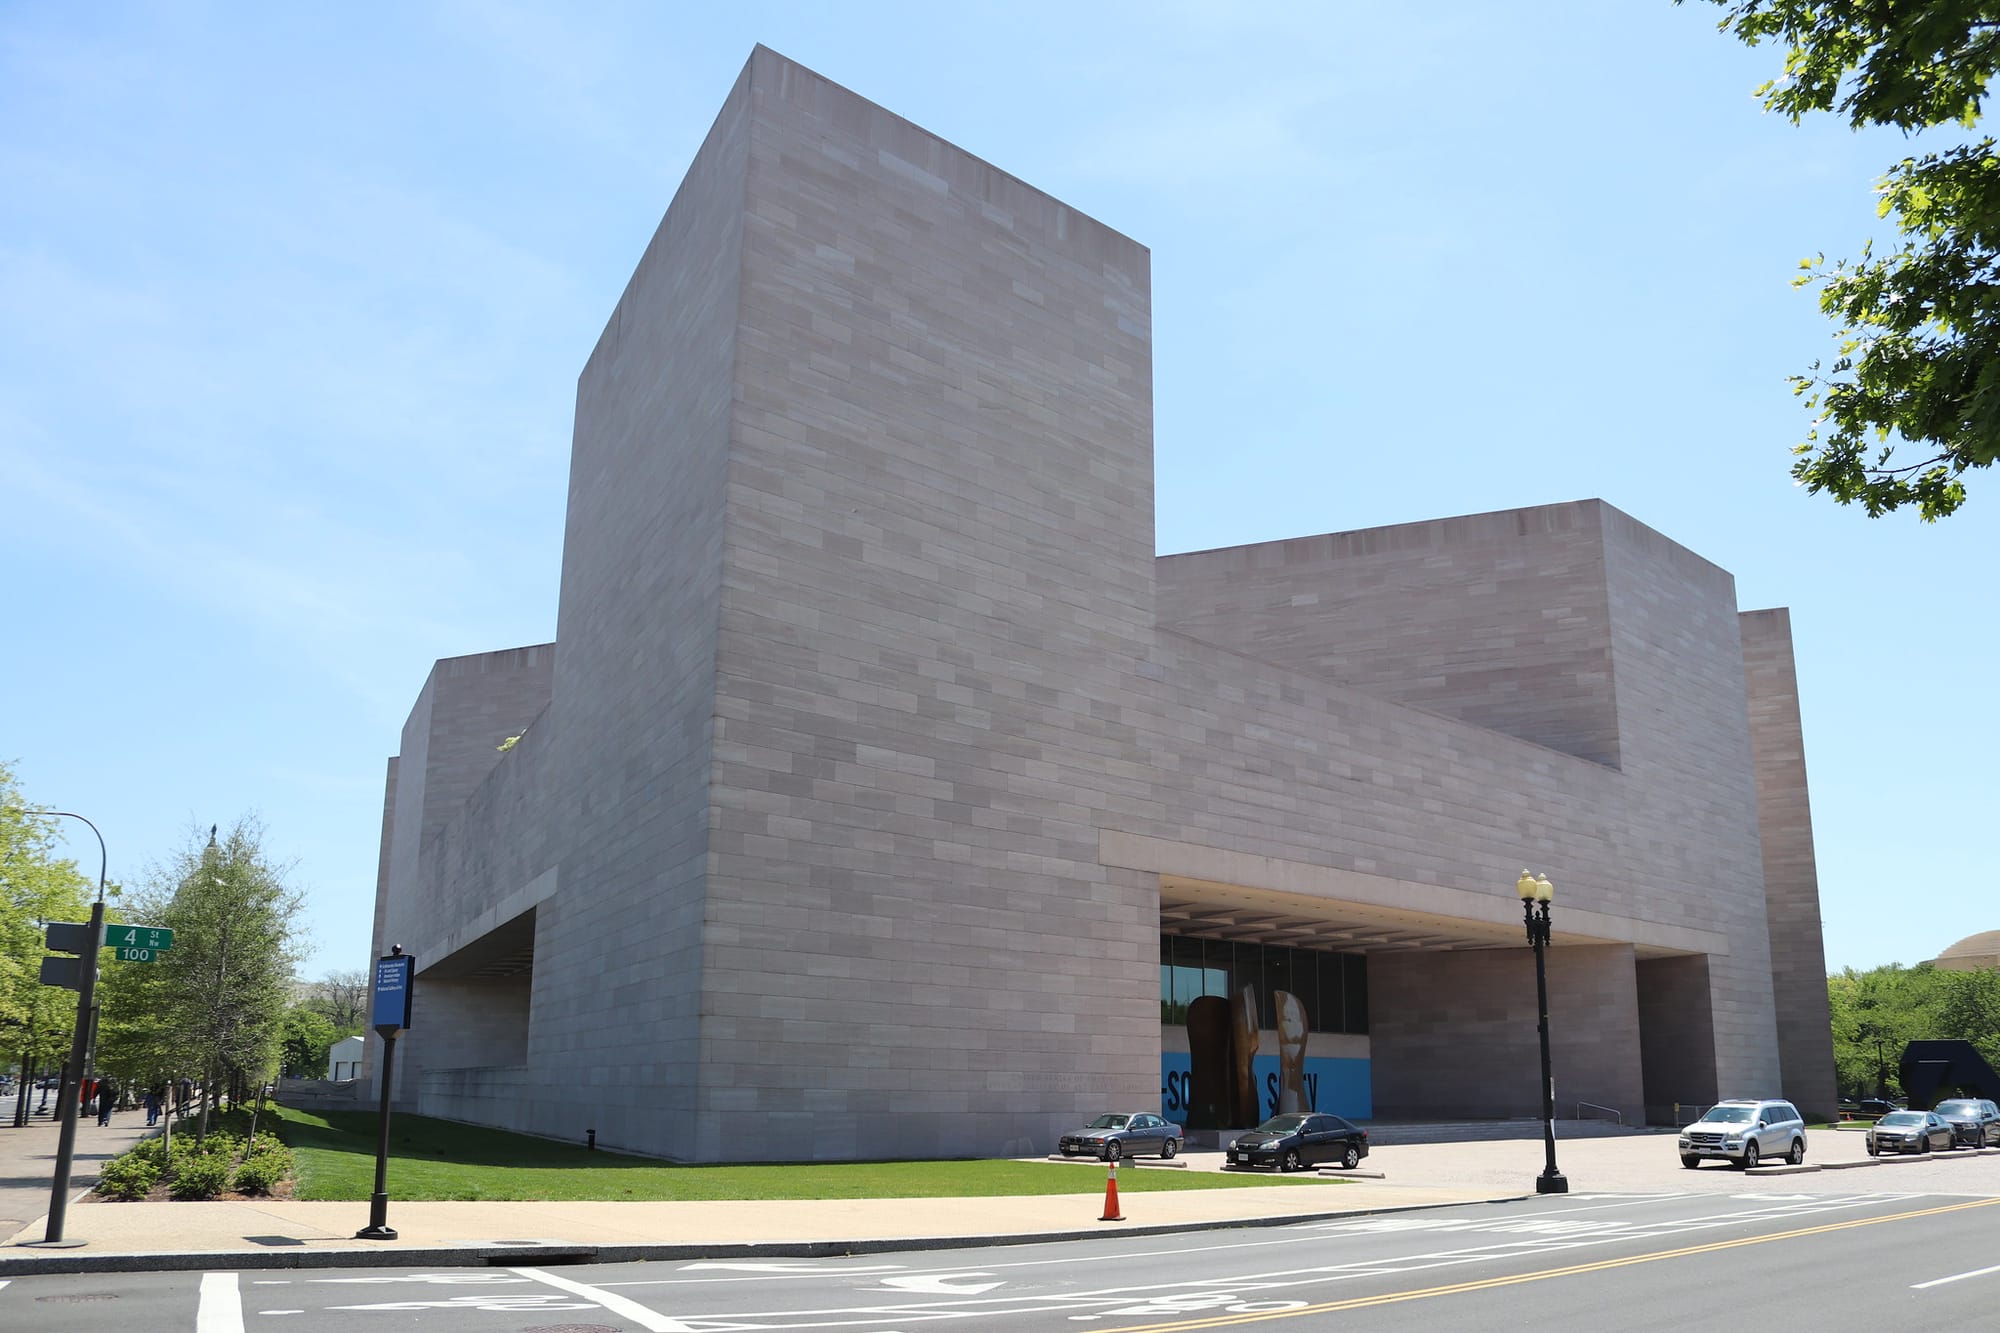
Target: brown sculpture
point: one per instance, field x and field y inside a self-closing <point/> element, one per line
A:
<point x="1208" y="1063"/>
<point x="1291" y="1052"/>
<point x="1243" y="1028"/>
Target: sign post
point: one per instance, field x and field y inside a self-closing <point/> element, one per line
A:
<point x="391" y="1013"/>
<point x="84" y="941"/>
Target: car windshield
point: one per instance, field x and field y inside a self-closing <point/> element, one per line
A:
<point x="1958" y="1108"/>
<point x="1108" y="1122"/>
<point x="1727" y="1115"/>
<point x="1281" y="1124"/>
<point x="1902" y="1118"/>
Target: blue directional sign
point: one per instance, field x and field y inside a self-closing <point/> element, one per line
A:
<point x="392" y="993"/>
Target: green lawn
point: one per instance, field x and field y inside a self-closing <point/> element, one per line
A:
<point x="440" y="1159"/>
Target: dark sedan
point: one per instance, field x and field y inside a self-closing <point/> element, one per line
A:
<point x="1297" y="1139"/>
<point x="1909" y="1131"/>
<point x="1114" y="1136"/>
<point x="1975" y="1122"/>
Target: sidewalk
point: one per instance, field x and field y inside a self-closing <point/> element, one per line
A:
<point x="292" y="1234"/>
<point x="28" y="1161"/>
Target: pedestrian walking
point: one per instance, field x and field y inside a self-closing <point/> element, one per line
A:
<point x="152" y="1107"/>
<point x="107" y="1097"/>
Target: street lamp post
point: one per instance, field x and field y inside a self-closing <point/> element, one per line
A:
<point x="71" y="1083"/>
<point x="1537" y="893"/>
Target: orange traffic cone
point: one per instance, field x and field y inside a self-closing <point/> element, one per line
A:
<point x="1111" y="1213"/>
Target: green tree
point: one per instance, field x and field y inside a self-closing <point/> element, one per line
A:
<point x="306" y="1035"/>
<point x="1875" y="1014"/>
<point x="36" y="887"/>
<point x="1965" y="1006"/>
<point x="213" y="1006"/>
<point x="1911" y="403"/>
<point x="342" y="998"/>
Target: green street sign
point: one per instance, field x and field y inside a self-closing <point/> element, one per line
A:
<point x="125" y="954"/>
<point x="137" y="937"/>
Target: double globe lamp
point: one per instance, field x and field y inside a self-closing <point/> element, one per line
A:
<point x="1536" y="895"/>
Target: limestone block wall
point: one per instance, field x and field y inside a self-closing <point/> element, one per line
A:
<point x="861" y="664"/>
<point x="1448" y="1024"/>
<point x="938" y="574"/>
<point x="1256" y="759"/>
<point x="1791" y="874"/>
<point x="1676" y="1032"/>
<point x="610" y="788"/>
<point x="1684" y="724"/>
<point x="1496" y="619"/>
<point x="468" y="706"/>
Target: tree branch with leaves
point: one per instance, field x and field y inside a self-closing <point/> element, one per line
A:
<point x="1911" y="402"/>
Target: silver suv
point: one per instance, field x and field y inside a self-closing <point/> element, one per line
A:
<point x="1743" y="1132"/>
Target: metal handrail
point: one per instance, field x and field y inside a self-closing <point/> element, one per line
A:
<point x="1611" y="1111"/>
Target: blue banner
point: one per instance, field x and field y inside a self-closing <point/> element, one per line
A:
<point x="1343" y="1087"/>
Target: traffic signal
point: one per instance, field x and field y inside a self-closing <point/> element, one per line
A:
<point x="72" y="937"/>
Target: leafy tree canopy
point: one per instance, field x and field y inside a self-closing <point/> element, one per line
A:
<point x="341" y="997"/>
<point x="1911" y="403"/>
<point x="36" y="887"/>
<point x="214" y="1004"/>
<point x="1878" y="1012"/>
<point x="306" y="1036"/>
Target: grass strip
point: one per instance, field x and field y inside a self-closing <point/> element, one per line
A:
<point x="441" y="1159"/>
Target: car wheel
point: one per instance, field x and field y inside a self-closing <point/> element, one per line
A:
<point x="1350" y="1157"/>
<point x="1749" y="1155"/>
<point x="1797" y="1156"/>
<point x="1113" y="1150"/>
<point x="1169" y="1148"/>
<point x="1690" y="1162"/>
<point x="1290" y="1161"/>
<point x="1924" y="1145"/>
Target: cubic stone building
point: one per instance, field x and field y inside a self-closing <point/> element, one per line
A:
<point x="884" y="794"/>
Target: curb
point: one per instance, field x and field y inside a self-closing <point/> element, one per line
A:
<point x="546" y="1253"/>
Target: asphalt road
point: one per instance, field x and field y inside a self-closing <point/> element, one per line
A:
<point x="1769" y="1257"/>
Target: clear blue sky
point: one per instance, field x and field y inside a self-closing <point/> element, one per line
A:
<point x="293" y="299"/>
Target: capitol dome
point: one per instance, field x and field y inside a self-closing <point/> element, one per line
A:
<point x="1971" y="953"/>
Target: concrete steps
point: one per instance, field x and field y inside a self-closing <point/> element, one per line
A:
<point x="1396" y="1132"/>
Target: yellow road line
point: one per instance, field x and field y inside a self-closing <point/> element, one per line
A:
<point x="1487" y="1284"/>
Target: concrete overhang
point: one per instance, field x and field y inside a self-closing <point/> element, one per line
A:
<point x="498" y="942"/>
<point x="1218" y="894"/>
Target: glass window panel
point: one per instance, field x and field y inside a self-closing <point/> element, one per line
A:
<point x="1356" y="976"/>
<point x="1331" y="1017"/>
<point x="1219" y="958"/>
<point x="1187" y="988"/>
<point x="1305" y="985"/>
<point x="1277" y="971"/>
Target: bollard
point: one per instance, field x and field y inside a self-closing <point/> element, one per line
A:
<point x="1111" y="1213"/>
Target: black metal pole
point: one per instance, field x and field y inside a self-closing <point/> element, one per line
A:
<point x="1551" y="1181"/>
<point x="378" y="1227"/>
<point x="71" y="1086"/>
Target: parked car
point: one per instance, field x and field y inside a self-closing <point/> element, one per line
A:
<point x="1299" y="1138"/>
<point x="1114" y="1136"/>
<point x="1910" y="1131"/>
<point x="1975" y="1122"/>
<point x="1743" y="1132"/>
<point x="1875" y="1106"/>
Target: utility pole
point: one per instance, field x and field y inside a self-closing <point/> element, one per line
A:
<point x="79" y="1053"/>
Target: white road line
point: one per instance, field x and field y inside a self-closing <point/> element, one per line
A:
<point x="1955" y="1277"/>
<point x="221" y="1308"/>
<point x="650" y="1320"/>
